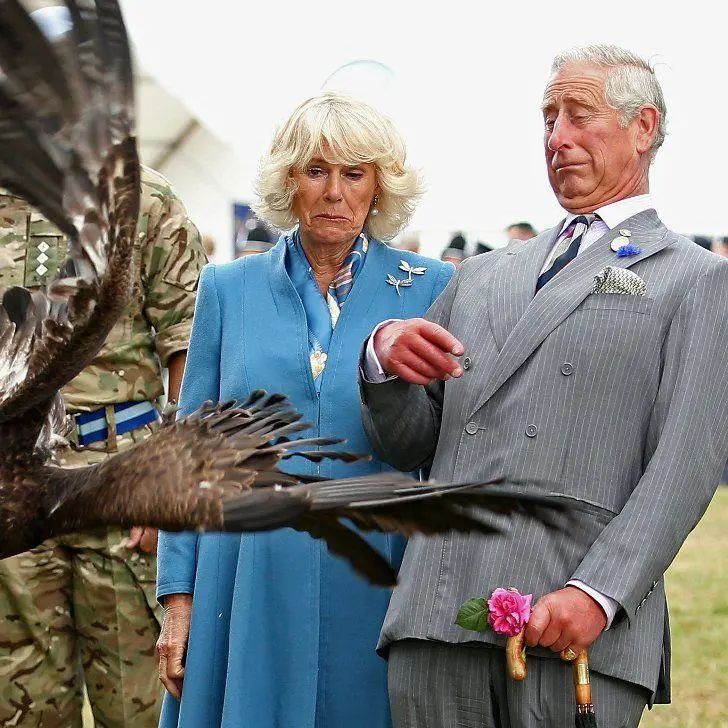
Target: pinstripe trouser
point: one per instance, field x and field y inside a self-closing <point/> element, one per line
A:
<point x="439" y="685"/>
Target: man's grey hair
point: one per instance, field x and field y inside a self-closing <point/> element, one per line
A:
<point x="631" y="82"/>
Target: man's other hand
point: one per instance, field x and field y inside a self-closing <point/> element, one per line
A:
<point x="418" y="351"/>
<point x="567" y="618"/>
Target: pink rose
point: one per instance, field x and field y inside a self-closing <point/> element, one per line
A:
<point x="509" y="611"/>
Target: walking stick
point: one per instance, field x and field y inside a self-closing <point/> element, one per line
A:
<point x="585" y="715"/>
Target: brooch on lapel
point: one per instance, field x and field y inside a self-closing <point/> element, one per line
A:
<point x="623" y="246"/>
<point x="404" y="282"/>
<point x="318" y="362"/>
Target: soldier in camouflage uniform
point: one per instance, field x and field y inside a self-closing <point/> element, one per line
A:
<point x="81" y="610"/>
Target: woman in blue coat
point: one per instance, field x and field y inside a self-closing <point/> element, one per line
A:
<point x="269" y="630"/>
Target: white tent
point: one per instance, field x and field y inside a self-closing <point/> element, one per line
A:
<point x="465" y="86"/>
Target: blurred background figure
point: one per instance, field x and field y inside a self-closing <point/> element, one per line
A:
<point x="410" y="241"/>
<point x="455" y="251"/>
<point x="720" y="246"/>
<point x="481" y="247"/>
<point x="521" y="231"/>
<point x="259" y="240"/>
<point x="703" y="241"/>
<point x="208" y="245"/>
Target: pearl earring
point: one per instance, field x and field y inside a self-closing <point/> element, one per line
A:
<point x="374" y="205"/>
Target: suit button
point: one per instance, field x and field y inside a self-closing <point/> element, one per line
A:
<point x="471" y="428"/>
<point x="567" y="368"/>
<point x="531" y="431"/>
<point x="467" y="362"/>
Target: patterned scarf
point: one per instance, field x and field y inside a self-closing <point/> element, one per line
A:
<point x="322" y="314"/>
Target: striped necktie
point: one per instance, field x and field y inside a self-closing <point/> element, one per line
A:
<point x="579" y="226"/>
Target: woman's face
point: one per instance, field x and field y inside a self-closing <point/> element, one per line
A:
<point x="333" y="200"/>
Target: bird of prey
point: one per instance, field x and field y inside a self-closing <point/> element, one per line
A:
<point x="67" y="145"/>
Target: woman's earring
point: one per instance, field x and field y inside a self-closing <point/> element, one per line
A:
<point x="374" y="205"/>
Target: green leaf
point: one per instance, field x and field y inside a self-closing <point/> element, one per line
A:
<point x="473" y="615"/>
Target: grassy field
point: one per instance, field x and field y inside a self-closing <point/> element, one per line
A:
<point x="697" y="593"/>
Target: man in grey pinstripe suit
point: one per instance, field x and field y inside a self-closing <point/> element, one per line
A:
<point x="580" y="362"/>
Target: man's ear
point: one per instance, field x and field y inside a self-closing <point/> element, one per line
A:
<point x="647" y="121"/>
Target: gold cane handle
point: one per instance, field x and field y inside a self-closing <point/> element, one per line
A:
<point x="515" y="657"/>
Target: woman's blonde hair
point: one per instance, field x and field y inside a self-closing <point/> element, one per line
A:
<point x="340" y="130"/>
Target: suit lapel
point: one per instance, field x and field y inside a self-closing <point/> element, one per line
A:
<point x="514" y="282"/>
<point x="558" y="299"/>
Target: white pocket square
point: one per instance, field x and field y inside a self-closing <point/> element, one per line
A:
<point x="620" y="281"/>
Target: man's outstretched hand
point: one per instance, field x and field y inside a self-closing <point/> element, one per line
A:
<point x="418" y="351"/>
<point x="567" y="618"/>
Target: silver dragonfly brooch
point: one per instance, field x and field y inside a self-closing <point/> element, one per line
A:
<point x="404" y="282"/>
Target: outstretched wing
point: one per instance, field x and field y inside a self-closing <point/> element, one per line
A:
<point x="217" y="470"/>
<point x="66" y="146"/>
<point x="180" y="477"/>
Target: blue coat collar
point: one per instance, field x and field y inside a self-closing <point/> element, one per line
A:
<point x="371" y="277"/>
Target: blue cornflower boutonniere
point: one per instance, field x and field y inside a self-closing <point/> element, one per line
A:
<point x="405" y="282"/>
<point x="629" y="249"/>
<point x="623" y="245"/>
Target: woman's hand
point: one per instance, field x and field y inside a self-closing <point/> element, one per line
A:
<point x="172" y="642"/>
<point x="418" y="351"/>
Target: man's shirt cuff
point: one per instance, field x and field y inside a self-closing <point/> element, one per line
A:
<point x="609" y="605"/>
<point x="372" y="367"/>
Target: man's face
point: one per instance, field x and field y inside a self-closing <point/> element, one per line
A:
<point x="591" y="159"/>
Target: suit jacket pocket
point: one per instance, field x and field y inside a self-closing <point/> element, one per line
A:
<point x="616" y="302"/>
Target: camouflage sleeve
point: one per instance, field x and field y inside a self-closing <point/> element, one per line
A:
<point x="171" y="263"/>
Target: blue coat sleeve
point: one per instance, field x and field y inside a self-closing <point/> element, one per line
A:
<point x="177" y="552"/>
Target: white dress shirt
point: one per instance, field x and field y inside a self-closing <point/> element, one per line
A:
<point x="608" y="218"/>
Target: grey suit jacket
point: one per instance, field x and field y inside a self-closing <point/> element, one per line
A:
<point x="617" y="402"/>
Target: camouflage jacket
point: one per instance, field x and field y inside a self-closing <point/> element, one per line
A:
<point x="168" y="257"/>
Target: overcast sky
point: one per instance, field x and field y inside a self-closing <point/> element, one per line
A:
<point x="465" y="89"/>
